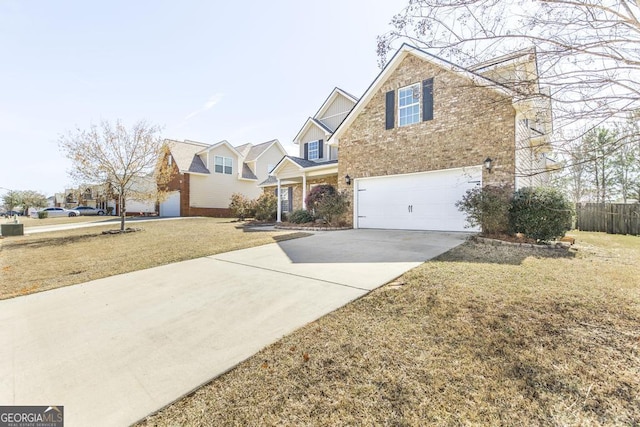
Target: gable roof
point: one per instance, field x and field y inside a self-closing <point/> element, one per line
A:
<point x="185" y="155"/>
<point x="323" y="108"/>
<point x="257" y="150"/>
<point x="404" y="51"/>
<point x="310" y="122"/>
<point x="224" y="142"/>
<point x="332" y="96"/>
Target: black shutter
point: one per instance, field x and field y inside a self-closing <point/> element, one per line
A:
<point x="390" y="107"/>
<point x="290" y="199"/>
<point x="306" y="151"/>
<point x="320" y="149"/>
<point x="275" y="191"/>
<point x="427" y="99"/>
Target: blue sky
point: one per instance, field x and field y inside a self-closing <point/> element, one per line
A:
<point x="204" y="70"/>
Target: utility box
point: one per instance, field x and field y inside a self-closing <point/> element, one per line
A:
<point x="12" y="229"/>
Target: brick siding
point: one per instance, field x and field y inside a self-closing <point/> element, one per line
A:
<point x="470" y="123"/>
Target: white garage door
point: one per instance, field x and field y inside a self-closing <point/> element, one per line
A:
<point x="418" y="201"/>
<point x="171" y="205"/>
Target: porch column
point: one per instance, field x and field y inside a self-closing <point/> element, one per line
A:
<point x="304" y="192"/>
<point x="279" y="215"/>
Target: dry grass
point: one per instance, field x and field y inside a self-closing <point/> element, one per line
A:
<point x="50" y="260"/>
<point x="36" y="222"/>
<point x="481" y="336"/>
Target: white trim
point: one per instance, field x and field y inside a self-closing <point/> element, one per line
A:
<point x="224" y="164"/>
<point x="305" y="128"/>
<point x="317" y="150"/>
<point x="304" y="192"/>
<point x="332" y="96"/>
<point x="417" y="101"/>
<point x="279" y="206"/>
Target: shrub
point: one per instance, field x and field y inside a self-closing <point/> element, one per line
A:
<point x="332" y="206"/>
<point x="300" y="217"/>
<point x="43" y="214"/>
<point x="241" y="206"/>
<point x="487" y="207"/>
<point x="266" y="207"/>
<point x="540" y="213"/>
<point x="316" y="195"/>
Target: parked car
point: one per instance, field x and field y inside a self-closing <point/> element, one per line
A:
<point x="7" y="214"/>
<point x="58" y="212"/>
<point x="88" y="210"/>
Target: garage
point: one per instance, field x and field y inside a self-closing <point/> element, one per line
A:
<point x="171" y="205"/>
<point x="417" y="201"/>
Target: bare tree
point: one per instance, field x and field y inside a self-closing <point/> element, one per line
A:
<point x="118" y="158"/>
<point x="588" y="51"/>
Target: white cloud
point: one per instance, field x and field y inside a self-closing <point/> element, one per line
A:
<point x="211" y="102"/>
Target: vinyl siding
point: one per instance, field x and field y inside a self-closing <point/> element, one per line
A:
<point x="269" y="157"/>
<point x="334" y="121"/>
<point x="529" y="164"/>
<point x="288" y="171"/>
<point x="339" y="105"/>
<point x="215" y="190"/>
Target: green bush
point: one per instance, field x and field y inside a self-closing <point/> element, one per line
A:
<point x="487" y="207"/>
<point x="241" y="207"/>
<point x="541" y="213"/>
<point x="266" y="207"/>
<point x="300" y="217"/>
<point x="43" y="214"/>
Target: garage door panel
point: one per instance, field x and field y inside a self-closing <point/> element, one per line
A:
<point x="424" y="201"/>
<point x="171" y="205"/>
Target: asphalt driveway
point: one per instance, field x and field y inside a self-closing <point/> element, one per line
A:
<point x="113" y="350"/>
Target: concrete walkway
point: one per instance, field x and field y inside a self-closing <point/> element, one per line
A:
<point x="114" y="350"/>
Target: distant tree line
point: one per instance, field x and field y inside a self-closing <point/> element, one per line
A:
<point x="24" y="199"/>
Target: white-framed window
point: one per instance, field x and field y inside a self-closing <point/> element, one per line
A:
<point x="284" y="199"/>
<point x="409" y="105"/>
<point x="223" y="165"/>
<point x="314" y="150"/>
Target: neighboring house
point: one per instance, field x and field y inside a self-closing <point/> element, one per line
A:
<point x="426" y="131"/>
<point x="317" y="161"/>
<point x="204" y="176"/>
<point x="141" y="199"/>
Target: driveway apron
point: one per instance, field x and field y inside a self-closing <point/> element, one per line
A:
<point x="114" y="350"/>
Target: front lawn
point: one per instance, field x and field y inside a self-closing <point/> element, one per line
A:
<point x="38" y="262"/>
<point x="482" y="335"/>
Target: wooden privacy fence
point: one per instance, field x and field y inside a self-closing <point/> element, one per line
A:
<point x="612" y="218"/>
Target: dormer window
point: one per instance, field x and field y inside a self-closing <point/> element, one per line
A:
<point x="314" y="150"/>
<point x="409" y="105"/>
<point x="223" y="165"/>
